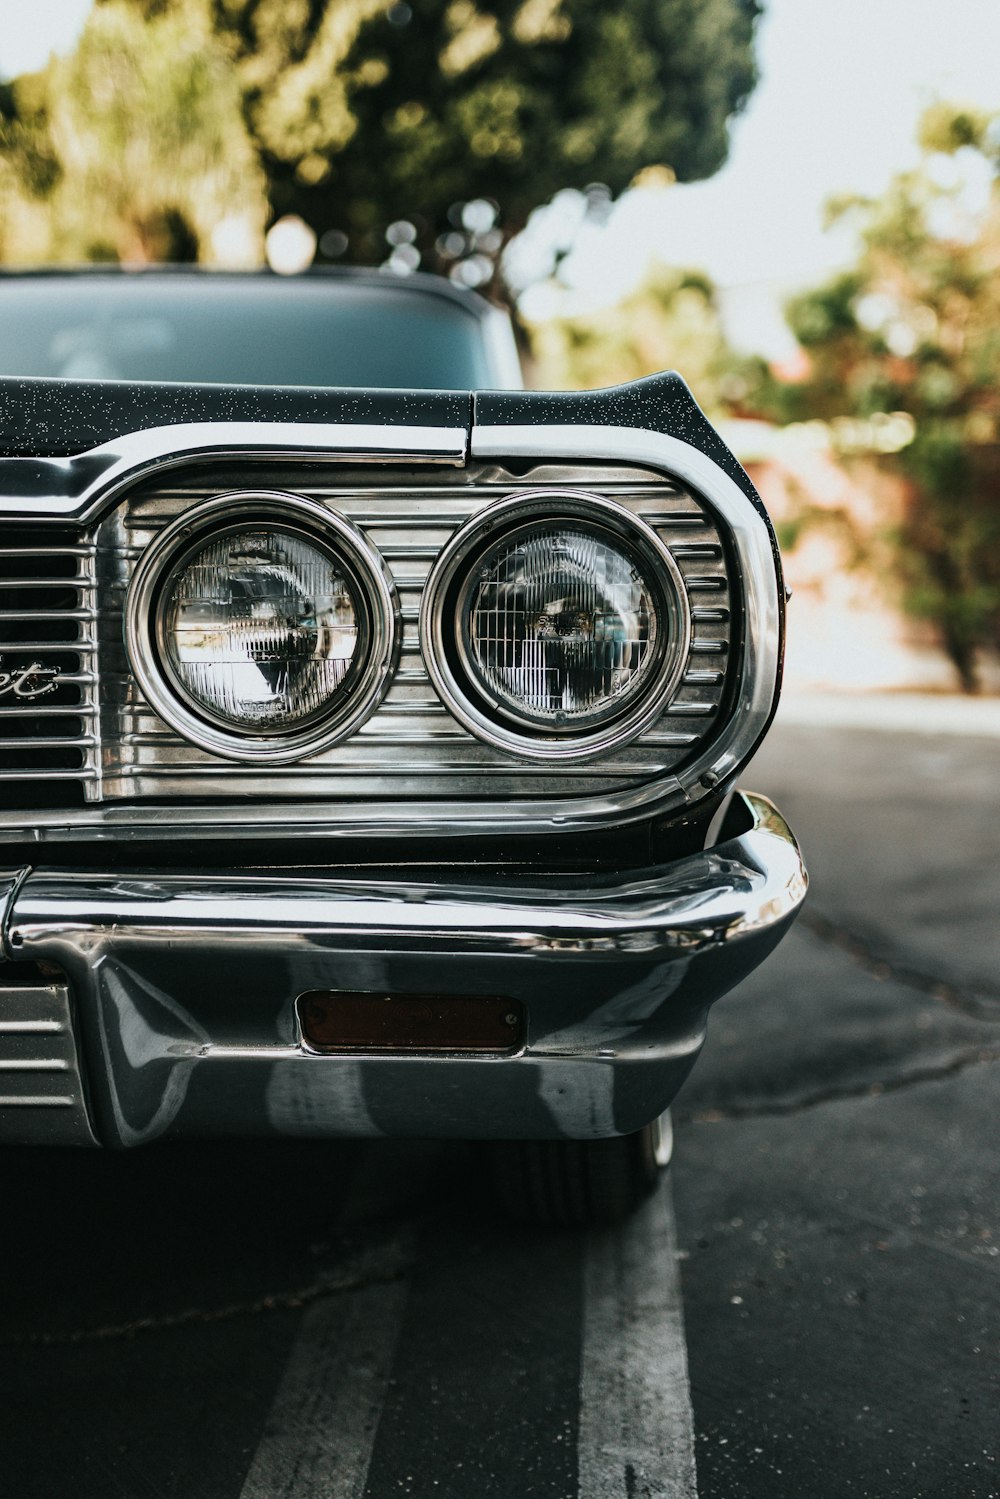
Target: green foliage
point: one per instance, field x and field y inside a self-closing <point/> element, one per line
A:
<point x="175" y="114"/>
<point x="370" y="111"/>
<point x="946" y="128"/>
<point x="915" y="327"/>
<point x="671" y="321"/>
<point x="132" y="148"/>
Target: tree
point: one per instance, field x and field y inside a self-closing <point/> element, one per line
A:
<point x="132" y="148"/>
<point x="370" y="113"/>
<point x="450" y="119"/>
<point x="915" y="327"/>
<point x="670" y="321"/>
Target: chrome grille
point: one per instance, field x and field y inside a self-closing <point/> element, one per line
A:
<point x="48" y="685"/>
<point x="411" y="747"/>
<point x="41" y="1090"/>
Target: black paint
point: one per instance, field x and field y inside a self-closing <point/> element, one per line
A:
<point x="56" y="418"/>
<point x="660" y="403"/>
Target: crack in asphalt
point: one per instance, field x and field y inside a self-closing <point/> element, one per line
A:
<point x="388" y="1262"/>
<point x="914" y="1077"/>
<point x="982" y="1002"/>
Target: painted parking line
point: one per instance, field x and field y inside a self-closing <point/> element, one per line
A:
<point x="321" y="1430"/>
<point x="635" y="1436"/>
<point x="636" y="1432"/>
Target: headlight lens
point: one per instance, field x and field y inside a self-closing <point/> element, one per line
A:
<point x="561" y="626"/>
<point x="262" y="626"/>
<point x="555" y="625"/>
<point x="259" y="628"/>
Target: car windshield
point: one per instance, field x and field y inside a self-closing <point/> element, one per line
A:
<point x="228" y="330"/>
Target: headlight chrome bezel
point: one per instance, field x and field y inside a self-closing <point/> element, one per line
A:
<point x="441" y="628"/>
<point x="372" y="588"/>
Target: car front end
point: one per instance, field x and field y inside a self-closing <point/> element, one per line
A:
<point x="369" y="758"/>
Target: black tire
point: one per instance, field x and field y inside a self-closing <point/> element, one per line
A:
<point x="579" y="1183"/>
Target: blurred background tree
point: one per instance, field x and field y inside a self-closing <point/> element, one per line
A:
<point x="427" y="131"/>
<point x="914" y="327"/>
<point x="671" y="320"/>
<point x="131" y="148"/>
<point x="369" y="114"/>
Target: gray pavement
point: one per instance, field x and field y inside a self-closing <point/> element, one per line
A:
<point x="255" y="1320"/>
<point x="836" y="1179"/>
<point x="902" y="834"/>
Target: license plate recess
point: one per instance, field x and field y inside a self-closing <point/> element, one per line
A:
<point x="333" y="1020"/>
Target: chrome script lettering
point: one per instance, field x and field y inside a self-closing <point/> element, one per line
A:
<point x="29" y="681"/>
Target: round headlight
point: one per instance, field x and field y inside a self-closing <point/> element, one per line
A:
<point x="262" y="626"/>
<point x="259" y="628"/>
<point x="556" y="625"/>
<point x="560" y="625"/>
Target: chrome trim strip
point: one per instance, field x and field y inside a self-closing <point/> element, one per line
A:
<point x="104" y="472"/>
<point x="710" y="898"/>
<point x="759" y="678"/>
<point x="451" y="818"/>
<point x="29" y="1027"/>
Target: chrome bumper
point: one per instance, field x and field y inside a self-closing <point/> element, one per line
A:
<point x="184" y="987"/>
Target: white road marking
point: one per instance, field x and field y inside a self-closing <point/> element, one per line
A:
<point x="321" y="1430"/>
<point x="636" y="1432"/>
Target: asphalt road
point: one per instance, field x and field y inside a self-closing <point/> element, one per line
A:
<point x="250" y="1322"/>
<point x="836" y="1181"/>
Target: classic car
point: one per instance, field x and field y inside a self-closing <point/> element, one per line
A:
<point x="370" y="729"/>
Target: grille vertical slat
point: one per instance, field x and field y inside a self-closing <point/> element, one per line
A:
<point x="49" y="751"/>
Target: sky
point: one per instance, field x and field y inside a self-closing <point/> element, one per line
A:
<point x="841" y="89"/>
<point x="32" y="29"/>
<point x="842" y="85"/>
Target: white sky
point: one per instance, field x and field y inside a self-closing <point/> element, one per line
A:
<point x="841" y="88"/>
<point x="31" y="29"/>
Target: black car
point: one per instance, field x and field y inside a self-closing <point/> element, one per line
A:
<point x="371" y="728"/>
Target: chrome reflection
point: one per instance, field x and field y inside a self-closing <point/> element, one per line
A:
<point x="260" y="628"/>
<point x="148" y="1039"/>
<point x="563" y="628"/>
<point x="181" y="973"/>
<point x="305" y="1101"/>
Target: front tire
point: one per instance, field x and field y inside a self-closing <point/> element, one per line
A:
<point x="579" y="1183"/>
